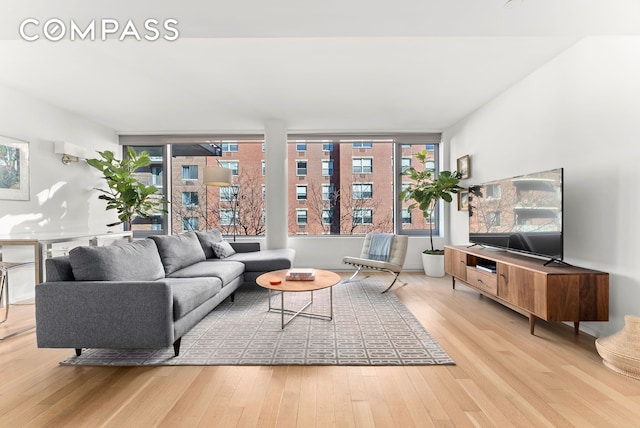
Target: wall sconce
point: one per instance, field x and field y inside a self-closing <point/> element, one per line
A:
<point x="70" y="152"/>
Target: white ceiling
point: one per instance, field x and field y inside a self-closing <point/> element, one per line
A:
<point x="406" y="65"/>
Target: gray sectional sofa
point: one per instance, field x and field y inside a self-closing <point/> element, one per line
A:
<point x="144" y="294"/>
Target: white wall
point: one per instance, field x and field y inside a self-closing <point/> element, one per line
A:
<point x="61" y="197"/>
<point x="581" y="111"/>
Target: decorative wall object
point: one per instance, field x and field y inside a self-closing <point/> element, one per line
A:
<point x="463" y="166"/>
<point x="14" y="169"/>
<point x="463" y="200"/>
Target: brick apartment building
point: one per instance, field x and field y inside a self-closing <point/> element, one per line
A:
<point x="334" y="188"/>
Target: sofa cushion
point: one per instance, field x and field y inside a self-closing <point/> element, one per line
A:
<point x="226" y="270"/>
<point x="189" y="293"/>
<point x="265" y="260"/>
<point x="133" y="261"/>
<point x="59" y="269"/>
<point x="178" y="251"/>
<point x="223" y="249"/>
<point x="207" y="239"/>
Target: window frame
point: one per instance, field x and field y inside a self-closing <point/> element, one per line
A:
<point x="306" y="167"/>
<point x="361" y="169"/>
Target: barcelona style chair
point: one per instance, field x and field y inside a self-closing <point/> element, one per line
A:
<point x="396" y="257"/>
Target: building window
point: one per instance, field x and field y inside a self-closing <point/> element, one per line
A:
<point x="362" y="191"/>
<point x="406" y="163"/>
<point x="327" y="147"/>
<point x="189" y="223"/>
<point x="230" y="147"/>
<point x="228" y="193"/>
<point x="301" y="193"/>
<point x="406" y="216"/>
<point x="327" y="167"/>
<point x="156" y="224"/>
<point x="327" y="216"/>
<point x="232" y="165"/>
<point x="190" y="199"/>
<point x="301" y="168"/>
<point x="362" y="165"/>
<point x="264" y="168"/>
<point x="301" y="217"/>
<point x="301" y="147"/>
<point x="156" y="176"/>
<point x="327" y="192"/>
<point x="493" y="219"/>
<point x="226" y="217"/>
<point x="493" y="191"/>
<point x="361" y="145"/>
<point x="362" y="216"/>
<point x="264" y="192"/>
<point x="189" y="172"/>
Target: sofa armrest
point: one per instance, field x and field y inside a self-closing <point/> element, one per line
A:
<point x="104" y="314"/>
<point x="245" y="247"/>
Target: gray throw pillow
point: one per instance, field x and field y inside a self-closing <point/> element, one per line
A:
<point x="133" y="261"/>
<point x="207" y="239"/>
<point x="178" y="251"/>
<point x="223" y="249"/>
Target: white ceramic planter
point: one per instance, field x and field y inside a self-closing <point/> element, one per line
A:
<point x="433" y="264"/>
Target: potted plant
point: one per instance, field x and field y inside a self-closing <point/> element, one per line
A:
<point x="426" y="190"/>
<point x="126" y="193"/>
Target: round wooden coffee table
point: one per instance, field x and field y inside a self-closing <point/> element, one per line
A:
<point x="323" y="279"/>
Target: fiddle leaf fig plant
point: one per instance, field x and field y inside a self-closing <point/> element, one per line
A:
<point x="126" y="194"/>
<point x="427" y="189"/>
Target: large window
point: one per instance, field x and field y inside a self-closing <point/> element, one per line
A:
<point x="195" y="206"/>
<point x="352" y="188"/>
<point x="337" y="185"/>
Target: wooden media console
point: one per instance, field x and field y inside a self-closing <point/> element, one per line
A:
<point x="555" y="292"/>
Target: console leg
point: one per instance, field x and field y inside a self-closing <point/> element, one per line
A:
<point x="576" y="327"/>
<point x="78" y="352"/>
<point x="453" y="282"/>
<point x="233" y="297"/>
<point x="532" y="323"/>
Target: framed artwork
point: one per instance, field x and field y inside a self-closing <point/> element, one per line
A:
<point x="14" y="169"/>
<point x="464" y="166"/>
<point x="463" y="200"/>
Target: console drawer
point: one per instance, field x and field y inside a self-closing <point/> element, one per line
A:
<point x="485" y="281"/>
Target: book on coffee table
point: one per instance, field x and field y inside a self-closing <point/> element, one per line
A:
<point x="300" y="274"/>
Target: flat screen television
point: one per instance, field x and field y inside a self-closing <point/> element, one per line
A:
<point x="522" y="214"/>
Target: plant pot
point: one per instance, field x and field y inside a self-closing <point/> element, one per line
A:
<point x="433" y="264"/>
<point x="621" y="351"/>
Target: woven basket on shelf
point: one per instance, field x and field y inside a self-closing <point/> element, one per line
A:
<point x="621" y="351"/>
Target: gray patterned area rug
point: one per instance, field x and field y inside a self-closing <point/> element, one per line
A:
<point x="368" y="328"/>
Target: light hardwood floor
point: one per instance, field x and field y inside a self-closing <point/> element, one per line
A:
<point x="503" y="377"/>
